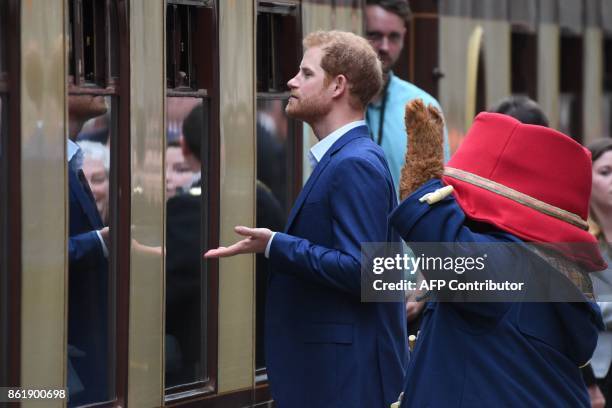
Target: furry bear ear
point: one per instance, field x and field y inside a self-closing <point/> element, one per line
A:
<point x="424" y="158"/>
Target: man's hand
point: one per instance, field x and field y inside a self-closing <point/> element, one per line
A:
<point x="105" y="234"/>
<point x="597" y="398"/>
<point x="256" y="242"/>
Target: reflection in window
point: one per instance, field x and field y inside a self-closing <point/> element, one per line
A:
<point x="186" y="280"/>
<point x="90" y="321"/>
<point x="276" y="137"/>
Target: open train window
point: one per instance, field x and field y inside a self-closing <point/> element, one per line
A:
<point x="570" y="87"/>
<point x="95" y="318"/>
<point x="192" y="198"/>
<point x="93" y="50"/>
<point x="279" y="138"/>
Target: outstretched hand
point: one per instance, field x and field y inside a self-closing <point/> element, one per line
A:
<point x="256" y="242"/>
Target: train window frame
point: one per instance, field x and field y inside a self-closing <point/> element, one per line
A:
<point x="274" y="88"/>
<point x="110" y="64"/>
<point x="10" y="198"/>
<point x="202" y="82"/>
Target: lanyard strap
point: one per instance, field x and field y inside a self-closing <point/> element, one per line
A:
<point x="381" y="119"/>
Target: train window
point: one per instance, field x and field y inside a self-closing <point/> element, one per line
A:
<point x="524" y="63"/>
<point x="93" y="53"/>
<point x="570" y="87"/>
<point x="186" y="235"/>
<point x="188" y="63"/>
<point x="278" y="45"/>
<point x="93" y="106"/>
<point x="192" y="177"/>
<point x="279" y="138"/>
<point x="91" y="294"/>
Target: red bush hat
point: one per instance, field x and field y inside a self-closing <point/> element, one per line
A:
<point x="528" y="180"/>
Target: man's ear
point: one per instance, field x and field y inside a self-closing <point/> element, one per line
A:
<point x="339" y="85"/>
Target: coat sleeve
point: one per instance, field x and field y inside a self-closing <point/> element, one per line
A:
<point x="85" y="251"/>
<point x="422" y="225"/>
<point x="361" y="194"/>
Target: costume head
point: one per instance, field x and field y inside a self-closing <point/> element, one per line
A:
<point x="528" y="180"/>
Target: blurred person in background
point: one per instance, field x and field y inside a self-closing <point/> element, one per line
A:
<point x="600" y="225"/>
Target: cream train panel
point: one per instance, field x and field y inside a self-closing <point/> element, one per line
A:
<point x="454" y="37"/>
<point x="496" y="60"/>
<point x="592" y="110"/>
<point x="237" y="200"/>
<point x="548" y="71"/>
<point x="44" y="196"/>
<point x="145" y="375"/>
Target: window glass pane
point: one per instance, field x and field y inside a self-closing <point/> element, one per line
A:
<point x="186" y="233"/>
<point x="276" y="137"/>
<point x="91" y="305"/>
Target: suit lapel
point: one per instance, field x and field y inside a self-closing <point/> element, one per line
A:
<point x="87" y="205"/>
<point x="352" y="134"/>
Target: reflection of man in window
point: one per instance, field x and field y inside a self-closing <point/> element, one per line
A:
<point x="96" y="167"/>
<point x="183" y="247"/>
<point x="88" y="270"/>
<point x="324" y="347"/>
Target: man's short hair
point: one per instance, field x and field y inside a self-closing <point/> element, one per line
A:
<point x="397" y="7"/>
<point x="348" y="54"/>
<point x="523" y="109"/>
<point x="193" y="126"/>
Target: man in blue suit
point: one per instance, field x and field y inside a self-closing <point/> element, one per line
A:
<point x="324" y="347"/>
<point x="88" y="271"/>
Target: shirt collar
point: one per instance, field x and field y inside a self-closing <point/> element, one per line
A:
<point x="75" y="155"/>
<point x="319" y="149"/>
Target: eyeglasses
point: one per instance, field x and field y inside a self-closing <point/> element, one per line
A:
<point x="377" y="37"/>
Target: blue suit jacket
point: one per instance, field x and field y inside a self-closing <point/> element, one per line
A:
<point x="324" y="348"/>
<point x="492" y="354"/>
<point x="88" y="299"/>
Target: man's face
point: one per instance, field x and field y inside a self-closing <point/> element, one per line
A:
<point x="385" y="31"/>
<point x="310" y="96"/>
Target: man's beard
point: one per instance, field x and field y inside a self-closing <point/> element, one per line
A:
<point x="308" y="109"/>
<point x="386" y="62"/>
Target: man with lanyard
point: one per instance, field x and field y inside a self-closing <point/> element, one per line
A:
<point x="385" y="30"/>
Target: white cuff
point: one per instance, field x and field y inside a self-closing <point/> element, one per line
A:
<point x="104" y="248"/>
<point x="267" y="252"/>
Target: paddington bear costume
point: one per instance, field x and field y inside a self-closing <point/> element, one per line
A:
<point x="513" y="183"/>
